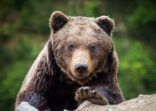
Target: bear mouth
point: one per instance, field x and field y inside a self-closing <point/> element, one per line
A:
<point x="80" y="79"/>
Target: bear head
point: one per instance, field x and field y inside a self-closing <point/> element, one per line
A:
<point x="81" y="45"/>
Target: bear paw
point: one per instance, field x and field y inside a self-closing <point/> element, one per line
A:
<point x="84" y="93"/>
<point x="88" y="93"/>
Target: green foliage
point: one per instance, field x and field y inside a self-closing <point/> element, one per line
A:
<point x="141" y="21"/>
<point x="136" y="65"/>
<point x="15" y="64"/>
<point x="12" y="83"/>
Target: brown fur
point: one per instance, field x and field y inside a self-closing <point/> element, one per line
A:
<point x="53" y="83"/>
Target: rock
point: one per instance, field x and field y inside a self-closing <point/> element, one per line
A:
<point x="141" y="103"/>
<point x="25" y="106"/>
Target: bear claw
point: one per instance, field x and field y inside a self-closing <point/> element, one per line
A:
<point x="84" y="93"/>
<point x="88" y="93"/>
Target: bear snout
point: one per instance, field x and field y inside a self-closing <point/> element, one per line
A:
<point x="81" y="68"/>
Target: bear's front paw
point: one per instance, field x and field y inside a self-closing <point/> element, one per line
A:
<point x="84" y="93"/>
<point x="88" y="93"/>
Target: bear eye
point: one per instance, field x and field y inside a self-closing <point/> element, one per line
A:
<point x="71" y="47"/>
<point x="92" y="48"/>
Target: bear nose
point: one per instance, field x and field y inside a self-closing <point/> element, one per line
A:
<point x="81" y="68"/>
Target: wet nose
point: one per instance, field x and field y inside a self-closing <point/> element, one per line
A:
<point x="81" y="68"/>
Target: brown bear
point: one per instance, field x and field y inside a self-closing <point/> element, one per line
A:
<point x="78" y="63"/>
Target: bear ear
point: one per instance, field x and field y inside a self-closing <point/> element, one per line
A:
<point x="57" y="20"/>
<point x="106" y="23"/>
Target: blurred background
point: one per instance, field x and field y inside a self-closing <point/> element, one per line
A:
<point x="24" y="30"/>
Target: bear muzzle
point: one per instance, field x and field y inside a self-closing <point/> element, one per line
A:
<point x="81" y="71"/>
<point x="81" y="68"/>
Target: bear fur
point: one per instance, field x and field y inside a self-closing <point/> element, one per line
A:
<point x="78" y="63"/>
